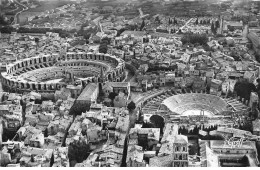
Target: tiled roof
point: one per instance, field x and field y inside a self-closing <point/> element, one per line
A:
<point x="163" y="161"/>
<point x="123" y="123"/>
<point x="135" y="152"/>
<point x="171" y="130"/>
<point x="4" y="107"/>
<point x="166" y="149"/>
<point x="256" y="125"/>
<point x="181" y="139"/>
<point x="38" y="151"/>
<point x="153" y="133"/>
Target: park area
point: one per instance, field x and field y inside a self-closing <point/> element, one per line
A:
<point x="41" y="7"/>
<point x="49" y="4"/>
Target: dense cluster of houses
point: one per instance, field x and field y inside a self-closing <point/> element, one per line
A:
<point x="169" y="82"/>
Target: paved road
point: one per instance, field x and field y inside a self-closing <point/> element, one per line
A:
<point x="17" y="14"/>
<point x="186" y="23"/>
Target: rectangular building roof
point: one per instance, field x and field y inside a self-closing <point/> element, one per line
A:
<point x="87" y="92"/>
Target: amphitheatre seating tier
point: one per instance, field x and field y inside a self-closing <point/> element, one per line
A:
<point x="48" y="73"/>
<point x="198" y="101"/>
<point x="191" y="107"/>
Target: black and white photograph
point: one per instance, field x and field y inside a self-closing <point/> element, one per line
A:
<point x="129" y="83"/>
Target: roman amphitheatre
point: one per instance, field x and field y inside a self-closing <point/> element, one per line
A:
<point x="43" y="73"/>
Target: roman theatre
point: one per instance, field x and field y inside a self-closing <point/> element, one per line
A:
<point x="43" y="73"/>
<point x="174" y="105"/>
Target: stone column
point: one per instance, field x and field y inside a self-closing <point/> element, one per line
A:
<point x="36" y="87"/>
<point x="31" y="87"/>
<point x="247" y="102"/>
<point x="47" y="87"/>
<point x="42" y="86"/>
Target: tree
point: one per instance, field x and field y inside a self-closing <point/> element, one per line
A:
<point x="217" y="24"/>
<point x="230" y="28"/>
<point x="11" y="19"/>
<point x="157" y="122"/>
<point x="244" y="89"/>
<point x="78" y="109"/>
<point x="112" y="96"/>
<point x="103" y="45"/>
<point x="106" y="40"/>
<point x="119" y="32"/>
<point x="142" y="25"/>
<point x="235" y="55"/>
<point x="78" y="151"/>
<point x="131" y="106"/>
<point x="73" y="163"/>
<point x="245" y="160"/>
<point x="3" y="21"/>
<point x="175" y="21"/>
<point x="6" y="29"/>
<point x="101" y="93"/>
<point x="87" y="36"/>
<point x="191" y="38"/>
<point x="32" y="158"/>
<point x="1" y="132"/>
<point x="52" y="131"/>
<point x="157" y="19"/>
<point x="103" y="49"/>
<point x="37" y="40"/>
<point x="197" y="21"/>
<point x="258" y="85"/>
<point x="212" y="28"/>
